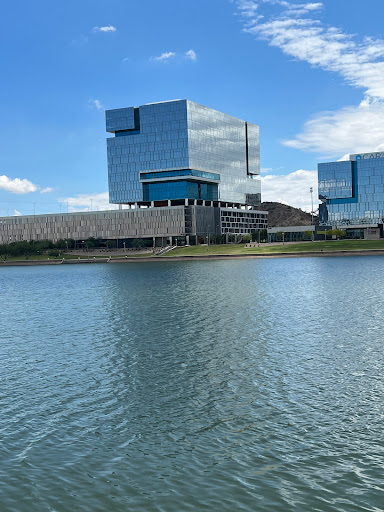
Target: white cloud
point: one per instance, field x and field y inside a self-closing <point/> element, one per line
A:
<point x="96" y="104"/>
<point x="191" y="54"/>
<point x="107" y="28"/>
<point x="359" y="62"/>
<point x="17" y="185"/>
<point x="292" y="189"/>
<point x="349" y="130"/>
<point x="164" y="57"/>
<point x="17" y="213"/>
<point x="269" y="170"/>
<point x="21" y="186"/>
<point x="84" y="202"/>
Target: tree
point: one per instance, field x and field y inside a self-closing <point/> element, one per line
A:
<point x="308" y="234"/>
<point x="4" y="252"/>
<point x="246" y="238"/>
<point x="90" y="242"/>
<point x="138" y="243"/>
<point x="71" y="243"/>
<point x="111" y="244"/>
<point x="28" y="250"/>
<point x="337" y="233"/>
<point x="280" y="236"/>
<point x="61" y="244"/>
<point x="263" y="235"/>
<point x="54" y="253"/>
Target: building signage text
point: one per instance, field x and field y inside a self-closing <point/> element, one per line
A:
<point x="366" y="156"/>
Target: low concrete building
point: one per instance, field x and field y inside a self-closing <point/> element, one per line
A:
<point x="306" y="233"/>
<point x="292" y="233"/>
<point x="165" y="224"/>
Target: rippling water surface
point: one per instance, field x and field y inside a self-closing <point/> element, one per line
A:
<point x="230" y="385"/>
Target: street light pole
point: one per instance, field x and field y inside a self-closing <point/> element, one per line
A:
<point x="311" y="191"/>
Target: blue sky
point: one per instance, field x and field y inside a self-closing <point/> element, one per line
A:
<point x="311" y="74"/>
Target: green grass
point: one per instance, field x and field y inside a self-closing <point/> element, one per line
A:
<point x="70" y="256"/>
<point x="132" y="255"/>
<point x="231" y="249"/>
<point x="39" y="257"/>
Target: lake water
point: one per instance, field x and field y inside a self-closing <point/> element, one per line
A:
<point x="236" y="385"/>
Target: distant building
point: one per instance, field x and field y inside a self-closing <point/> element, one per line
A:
<point x="352" y="191"/>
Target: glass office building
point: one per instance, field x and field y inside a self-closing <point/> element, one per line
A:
<point x="180" y="150"/>
<point x="186" y="171"/>
<point x="352" y="192"/>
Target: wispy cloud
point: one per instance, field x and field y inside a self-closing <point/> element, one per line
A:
<point x="292" y="189"/>
<point x="96" y="104"/>
<point x="106" y="28"/>
<point x="348" y="130"/>
<point x="84" y="202"/>
<point x="165" y="57"/>
<point x="177" y="57"/>
<point x="17" y="213"/>
<point x="46" y="190"/>
<point x="295" y="30"/>
<point x="191" y="54"/>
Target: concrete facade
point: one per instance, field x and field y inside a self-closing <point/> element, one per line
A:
<point x="157" y="223"/>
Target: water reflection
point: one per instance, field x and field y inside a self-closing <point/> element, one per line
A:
<point x="220" y="385"/>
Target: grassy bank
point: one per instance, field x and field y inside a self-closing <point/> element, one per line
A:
<point x="69" y="256"/>
<point x="231" y="249"/>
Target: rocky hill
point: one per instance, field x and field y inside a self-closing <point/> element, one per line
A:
<point x="284" y="215"/>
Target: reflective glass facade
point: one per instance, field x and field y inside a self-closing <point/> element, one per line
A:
<point x="176" y="139"/>
<point x="352" y="191"/>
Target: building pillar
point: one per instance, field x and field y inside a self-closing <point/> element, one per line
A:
<point x="135" y="204"/>
<point x="152" y="204"/>
<point x="186" y="239"/>
<point x="186" y="202"/>
<point x="169" y="202"/>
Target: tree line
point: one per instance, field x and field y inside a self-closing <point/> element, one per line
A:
<point x="27" y="249"/>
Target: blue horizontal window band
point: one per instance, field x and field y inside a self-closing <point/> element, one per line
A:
<point x="345" y="200"/>
<point x="183" y="172"/>
<point x="124" y="133"/>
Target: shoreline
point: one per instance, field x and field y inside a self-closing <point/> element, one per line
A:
<point x="303" y="254"/>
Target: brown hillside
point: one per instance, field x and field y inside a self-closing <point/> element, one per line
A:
<point x="284" y="215"/>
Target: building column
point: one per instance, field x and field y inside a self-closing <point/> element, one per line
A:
<point x="169" y="202"/>
<point x="152" y="204"/>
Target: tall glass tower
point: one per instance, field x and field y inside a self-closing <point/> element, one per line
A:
<point x="180" y="150"/>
